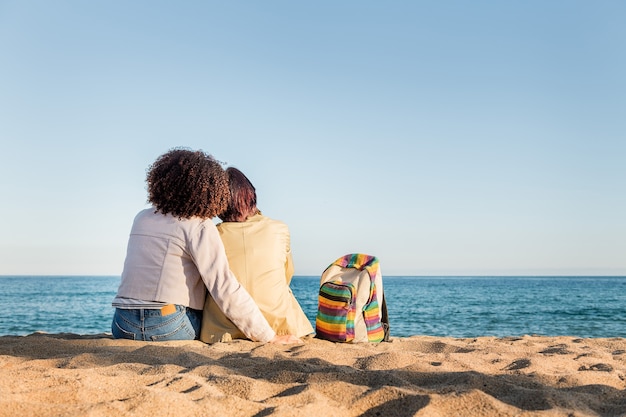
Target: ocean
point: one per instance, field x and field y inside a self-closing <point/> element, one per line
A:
<point x="436" y="306"/>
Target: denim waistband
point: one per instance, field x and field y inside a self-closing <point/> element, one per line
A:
<point x="164" y="311"/>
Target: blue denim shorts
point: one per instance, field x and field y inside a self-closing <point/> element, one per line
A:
<point x="175" y="322"/>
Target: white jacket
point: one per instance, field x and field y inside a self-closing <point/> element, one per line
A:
<point x="175" y="261"/>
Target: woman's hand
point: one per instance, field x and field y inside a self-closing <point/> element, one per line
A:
<point x="286" y="339"/>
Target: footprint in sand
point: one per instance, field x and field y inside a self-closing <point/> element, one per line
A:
<point x="556" y="350"/>
<point x="518" y="364"/>
<point x="601" y="367"/>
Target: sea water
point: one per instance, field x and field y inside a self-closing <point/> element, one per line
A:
<point x="437" y="306"/>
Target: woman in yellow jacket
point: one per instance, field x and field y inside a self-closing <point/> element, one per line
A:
<point x="259" y="254"/>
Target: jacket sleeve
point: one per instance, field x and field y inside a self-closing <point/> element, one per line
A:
<point x="233" y="299"/>
<point x="289" y="268"/>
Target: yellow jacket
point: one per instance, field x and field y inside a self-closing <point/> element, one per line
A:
<point x="259" y="254"/>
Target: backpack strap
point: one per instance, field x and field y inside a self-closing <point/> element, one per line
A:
<point x="385" y="319"/>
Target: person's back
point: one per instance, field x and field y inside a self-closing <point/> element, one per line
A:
<point x="259" y="255"/>
<point x="260" y="251"/>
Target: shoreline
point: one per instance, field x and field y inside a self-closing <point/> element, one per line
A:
<point x="67" y="374"/>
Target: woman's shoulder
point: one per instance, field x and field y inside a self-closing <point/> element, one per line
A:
<point x="257" y="218"/>
<point x="268" y="220"/>
<point x="256" y="222"/>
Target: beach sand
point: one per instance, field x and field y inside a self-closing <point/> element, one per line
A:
<point x="94" y="375"/>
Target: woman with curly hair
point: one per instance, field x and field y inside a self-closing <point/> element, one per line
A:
<point x="175" y="255"/>
<point x="259" y="253"/>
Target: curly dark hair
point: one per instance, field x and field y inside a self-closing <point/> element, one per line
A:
<point x="187" y="183"/>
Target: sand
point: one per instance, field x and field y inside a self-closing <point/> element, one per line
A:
<point x="94" y="375"/>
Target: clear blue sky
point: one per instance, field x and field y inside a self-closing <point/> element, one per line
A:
<point x="452" y="137"/>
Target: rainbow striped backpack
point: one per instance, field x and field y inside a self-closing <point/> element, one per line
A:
<point x="351" y="302"/>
